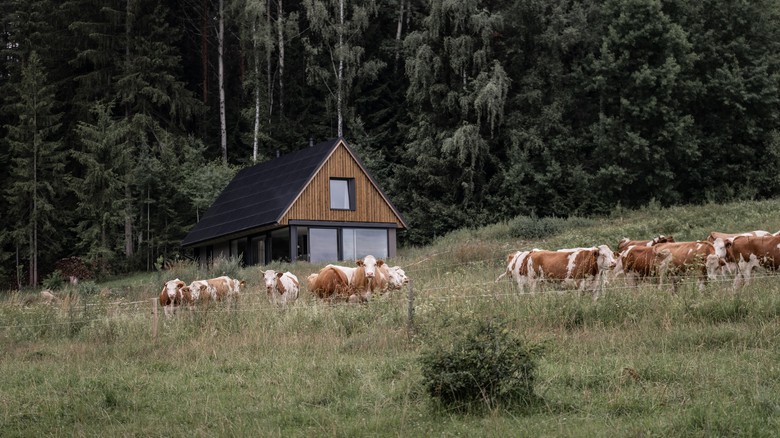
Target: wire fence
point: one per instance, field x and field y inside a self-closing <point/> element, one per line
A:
<point x="417" y="295"/>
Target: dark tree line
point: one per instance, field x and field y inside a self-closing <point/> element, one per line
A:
<point x="121" y="120"/>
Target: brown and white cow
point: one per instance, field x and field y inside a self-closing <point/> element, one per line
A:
<point x="583" y="268"/>
<point x="727" y="236"/>
<point x="637" y="262"/>
<point x="226" y="287"/>
<point x="731" y="268"/>
<point x="365" y="279"/>
<point x="749" y="252"/>
<point x="171" y="296"/>
<point x="626" y="242"/>
<point x="517" y="267"/>
<point x="330" y="284"/>
<point x="702" y="258"/>
<point x="281" y="287"/>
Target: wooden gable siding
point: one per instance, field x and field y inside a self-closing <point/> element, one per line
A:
<point x="314" y="202"/>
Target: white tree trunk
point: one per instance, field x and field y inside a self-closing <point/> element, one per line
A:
<point x="399" y="33"/>
<point x="340" y="77"/>
<point x="221" y="73"/>
<point x="128" y="193"/>
<point x="256" y="134"/>
<point x="280" y="30"/>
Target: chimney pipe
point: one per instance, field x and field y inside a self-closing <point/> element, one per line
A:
<point x="277" y="153"/>
<point x="311" y="142"/>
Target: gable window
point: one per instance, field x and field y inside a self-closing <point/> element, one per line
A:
<point x="342" y="193"/>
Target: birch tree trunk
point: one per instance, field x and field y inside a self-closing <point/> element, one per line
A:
<point x="204" y="49"/>
<point x="256" y="134"/>
<point x="340" y="75"/>
<point x="280" y="30"/>
<point x="221" y="73"/>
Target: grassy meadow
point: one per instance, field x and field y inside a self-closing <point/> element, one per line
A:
<point x="636" y="362"/>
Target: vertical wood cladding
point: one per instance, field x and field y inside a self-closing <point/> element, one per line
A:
<point x="314" y="202"/>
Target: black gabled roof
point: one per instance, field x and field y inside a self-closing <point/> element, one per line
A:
<point x="260" y="195"/>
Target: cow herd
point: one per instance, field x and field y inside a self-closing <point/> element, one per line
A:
<point x="333" y="283"/>
<point x="656" y="260"/>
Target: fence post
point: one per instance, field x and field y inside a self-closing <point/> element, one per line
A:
<point x="410" y="310"/>
<point x="154" y="319"/>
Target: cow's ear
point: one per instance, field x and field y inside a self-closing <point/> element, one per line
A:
<point x="279" y="274"/>
<point x="380" y="262"/>
<point x="180" y="285"/>
<point x="203" y="287"/>
<point x="596" y="252"/>
<point x="359" y="262"/>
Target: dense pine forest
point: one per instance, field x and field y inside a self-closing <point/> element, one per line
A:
<point x="121" y="120"/>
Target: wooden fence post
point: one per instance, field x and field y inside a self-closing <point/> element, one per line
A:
<point x="410" y="310"/>
<point x="154" y="319"/>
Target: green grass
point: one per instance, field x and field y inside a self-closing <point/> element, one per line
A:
<point x="635" y="362"/>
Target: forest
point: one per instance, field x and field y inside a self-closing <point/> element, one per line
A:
<point x="121" y="120"/>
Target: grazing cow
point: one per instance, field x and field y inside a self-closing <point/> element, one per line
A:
<point x="637" y="262"/>
<point x="701" y="257"/>
<point x="395" y="277"/>
<point x="749" y="252"/>
<point x="626" y="242"/>
<point x="582" y="268"/>
<point x="330" y="284"/>
<point x="365" y="279"/>
<point x="282" y="287"/>
<point x="171" y="296"/>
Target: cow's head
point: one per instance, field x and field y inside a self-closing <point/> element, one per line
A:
<point x="720" y="247"/>
<point x="397" y="277"/>
<point x="173" y="287"/>
<point x="663" y="239"/>
<point x="269" y="277"/>
<point x="370" y="264"/>
<point x="606" y="259"/>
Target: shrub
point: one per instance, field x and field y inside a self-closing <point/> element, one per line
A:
<point x="226" y="266"/>
<point x="54" y="281"/>
<point x="485" y="367"/>
<point x="529" y="228"/>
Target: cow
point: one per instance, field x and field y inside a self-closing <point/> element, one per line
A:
<point x="727" y="236"/>
<point x="626" y="242"/>
<point x="330" y="284"/>
<point x="281" y="287"/>
<point x="701" y="257"/>
<point x="730" y="268"/>
<point x="582" y="267"/>
<point x="749" y="252"/>
<point x="637" y="262"/>
<point x="517" y="267"/>
<point x="201" y="291"/>
<point x="171" y="296"/>
<point x="226" y="287"/>
<point x="393" y="278"/>
<point x="365" y="279"/>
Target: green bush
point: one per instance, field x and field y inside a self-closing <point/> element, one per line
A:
<point x="485" y="367"/>
<point x="528" y="227"/>
<point x="54" y="281"/>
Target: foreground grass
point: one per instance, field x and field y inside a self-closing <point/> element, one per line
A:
<point x="635" y="362"/>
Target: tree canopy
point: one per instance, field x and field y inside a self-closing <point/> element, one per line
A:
<point x="466" y="111"/>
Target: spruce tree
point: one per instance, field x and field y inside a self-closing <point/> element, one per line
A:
<point x="36" y="168"/>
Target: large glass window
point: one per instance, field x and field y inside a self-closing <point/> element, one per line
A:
<point x="280" y="245"/>
<point x="258" y="250"/>
<point x="323" y="244"/>
<point x="342" y="194"/>
<point x="360" y="242"/>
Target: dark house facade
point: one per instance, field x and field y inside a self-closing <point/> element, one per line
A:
<point x="316" y="204"/>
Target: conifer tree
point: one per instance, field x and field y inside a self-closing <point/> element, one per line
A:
<point x="36" y="168"/>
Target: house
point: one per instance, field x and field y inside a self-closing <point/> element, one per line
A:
<point x="317" y="204"/>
